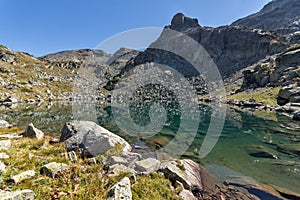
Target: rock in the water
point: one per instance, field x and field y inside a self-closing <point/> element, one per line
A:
<point x="23" y="176"/>
<point x="296" y="116"/>
<point x="91" y="138"/>
<point x="185" y="171"/>
<point x="187" y="195"/>
<point x="147" y="166"/>
<point x="293" y="149"/>
<point x="17" y="195"/>
<point x="120" y="191"/>
<point x="259" y="151"/>
<point x="4" y="124"/>
<point x="33" y="132"/>
<point x="5" y="144"/>
<point x="52" y="169"/>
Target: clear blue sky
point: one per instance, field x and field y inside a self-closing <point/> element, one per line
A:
<point x="44" y="26"/>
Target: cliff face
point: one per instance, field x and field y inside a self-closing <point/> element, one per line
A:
<point x="278" y="15"/>
<point x="232" y="48"/>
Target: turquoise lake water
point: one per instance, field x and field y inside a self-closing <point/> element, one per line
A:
<point x="241" y="130"/>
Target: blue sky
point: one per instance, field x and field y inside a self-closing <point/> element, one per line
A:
<point x="40" y="27"/>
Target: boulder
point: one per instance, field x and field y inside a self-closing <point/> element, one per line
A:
<point x="3" y="155"/>
<point x="287" y="93"/>
<point x="5" y="144"/>
<point x="17" y="195"/>
<point x="120" y="191"/>
<point x="5" y="124"/>
<point x="52" y="169"/>
<point x="91" y="138"/>
<point x="296" y="116"/>
<point x="184" y="171"/>
<point x="147" y="166"/>
<point x="117" y="169"/>
<point x="23" y="176"/>
<point x="33" y="132"/>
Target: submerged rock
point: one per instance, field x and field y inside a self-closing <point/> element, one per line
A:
<point x="293" y="149"/>
<point x="33" y="132"/>
<point x="120" y="191"/>
<point x="91" y="138"/>
<point x="259" y="151"/>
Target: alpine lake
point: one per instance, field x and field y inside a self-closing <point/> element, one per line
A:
<point x="264" y="146"/>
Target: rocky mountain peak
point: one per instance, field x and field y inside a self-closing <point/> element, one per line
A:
<point x="278" y="15"/>
<point x="181" y="22"/>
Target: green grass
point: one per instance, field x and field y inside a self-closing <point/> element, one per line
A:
<point x="80" y="182"/>
<point x="268" y="96"/>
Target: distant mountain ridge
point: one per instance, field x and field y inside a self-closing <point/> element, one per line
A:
<point x="278" y="15"/>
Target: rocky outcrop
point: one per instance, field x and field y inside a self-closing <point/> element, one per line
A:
<point x="76" y="56"/>
<point x="91" y="139"/>
<point x="278" y="15"/>
<point x="226" y="45"/>
<point x="288" y="94"/>
<point x="277" y="70"/>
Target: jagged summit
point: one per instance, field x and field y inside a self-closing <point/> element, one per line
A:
<point x="278" y="15"/>
<point x="181" y="22"/>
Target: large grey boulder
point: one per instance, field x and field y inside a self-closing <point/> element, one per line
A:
<point x="17" y="195"/>
<point x="33" y="132"/>
<point x="184" y="171"/>
<point x="91" y="138"/>
<point x="120" y="191"/>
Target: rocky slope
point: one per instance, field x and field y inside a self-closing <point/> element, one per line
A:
<point x="278" y="15"/>
<point x="232" y="48"/>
